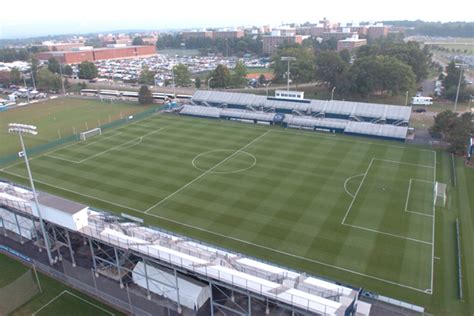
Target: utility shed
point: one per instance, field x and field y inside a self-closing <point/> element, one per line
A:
<point x="66" y="213"/>
<point x="192" y="294"/>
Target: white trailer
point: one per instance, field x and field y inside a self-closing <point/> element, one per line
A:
<point x="422" y="101"/>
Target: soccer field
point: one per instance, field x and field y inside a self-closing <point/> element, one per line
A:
<point x="348" y="204"/>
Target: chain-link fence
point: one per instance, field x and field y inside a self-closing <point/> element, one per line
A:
<point x="18" y="292"/>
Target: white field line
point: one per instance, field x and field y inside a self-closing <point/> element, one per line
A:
<point x="434" y="227"/>
<point x="235" y="239"/>
<point x="322" y="135"/>
<point x="75" y="296"/>
<point x="52" y="300"/>
<point x="404" y="163"/>
<point x="123" y="145"/>
<point x="369" y="229"/>
<point x="90" y="303"/>
<point x="206" y="172"/>
<point x="75" y="192"/>
<point x="94" y="142"/>
<point x="389" y="234"/>
<point x="357" y="191"/>
<point x="408" y="198"/>
<point x="349" y="179"/>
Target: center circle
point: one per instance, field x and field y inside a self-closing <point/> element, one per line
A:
<point x="212" y="161"/>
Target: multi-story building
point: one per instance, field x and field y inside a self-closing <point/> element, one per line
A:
<point x="351" y="43"/>
<point x="272" y="42"/>
<point x="228" y="34"/>
<point x="197" y="34"/>
<point x="315" y="31"/>
<point x="116" y="51"/>
<point x="377" y="31"/>
<point x="345" y="33"/>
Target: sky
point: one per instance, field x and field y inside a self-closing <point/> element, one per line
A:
<point x="30" y="18"/>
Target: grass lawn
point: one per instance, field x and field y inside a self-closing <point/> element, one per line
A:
<point x="58" y="118"/>
<point x="355" y="210"/>
<point x="62" y="300"/>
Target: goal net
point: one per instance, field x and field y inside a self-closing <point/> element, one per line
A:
<point x="90" y="133"/>
<point x="18" y="292"/>
<point x="440" y="194"/>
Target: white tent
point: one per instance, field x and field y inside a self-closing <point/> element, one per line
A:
<point x="192" y="294"/>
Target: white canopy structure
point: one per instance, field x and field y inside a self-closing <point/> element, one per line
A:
<point x="192" y="294"/>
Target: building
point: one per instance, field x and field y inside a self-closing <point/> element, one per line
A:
<point x="197" y="34"/>
<point x="377" y="31"/>
<point x="351" y="43"/>
<point x="315" y="31"/>
<point x="114" y="51"/>
<point x="53" y="46"/>
<point x="345" y="33"/>
<point x="272" y="42"/>
<point x="228" y="34"/>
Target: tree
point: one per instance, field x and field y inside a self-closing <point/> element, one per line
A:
<point x="15" y="76"/>
<point x="261" y="79"/>
<point x="330" y="68"/>
<point x="67" y="70"/>
<point x="34" y="64"/>
<point x="345" y="56"/>
<point x="380" y="74"/>
<point x="147" y="76"/>
<point x="182" y="75"/>
<point x="197" y="82"/>
<point x="53" y="65"/>
<point x="138" y="41"/>
<point x="47" y="80"/>
<point x="87" y="70"/>
<point x="220" y="77"/>
<point x="239" y="75"/>
<point x="301" y="70"/>
<point x="67" y="84"/>
<point x="144" y="95"/>
<point x="454" y="129"/>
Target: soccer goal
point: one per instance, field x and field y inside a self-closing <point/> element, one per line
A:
<point x="18" y="292"/>
<point x="90" y="133"/>
<point x="440" y="194"/>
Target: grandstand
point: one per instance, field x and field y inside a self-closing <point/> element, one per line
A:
<point x="355" y="118"/>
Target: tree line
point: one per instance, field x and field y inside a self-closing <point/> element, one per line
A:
<point x="248" y="44"/>
<point x="446" y="29"/>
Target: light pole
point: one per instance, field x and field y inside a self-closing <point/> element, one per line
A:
<point x="61" y="75"/>
<point x="26" y="87"/>
<point x="406" y="98"/>
<point x="268" y="86"/>
<point x="288" y="59"/>
<point x="332" y="93"/>
<point x="174" y="82"/>
<point x="20" y="129"/>
<point x="461" y="68"/>
<point x="209" y="82"/>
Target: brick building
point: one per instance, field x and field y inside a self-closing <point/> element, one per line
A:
<point x="78" y="56"/>
<point x="199" y="34"/>
<point x="377" y="31"/>
<point x="272" y="42"/>
<point x="351" y="43"/>
<point x="337" y="35"/>
<point x="228" y="34"/>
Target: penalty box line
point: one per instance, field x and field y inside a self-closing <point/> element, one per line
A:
<point x="408" y="197"/>
<point x="233" y="238"/>
<point x="107" y="150"/>
<point x="343" y="222"/>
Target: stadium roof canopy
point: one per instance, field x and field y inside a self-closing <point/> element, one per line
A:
<point x="343" y="108"/>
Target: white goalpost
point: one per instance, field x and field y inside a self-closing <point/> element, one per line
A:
<point x="440" y="194"/>
<point x="90" y="133"/>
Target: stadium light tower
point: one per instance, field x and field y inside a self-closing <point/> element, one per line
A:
<point x="288" y="59"/>
<point x="461" y="68"/>
<point x="20" y="129"/>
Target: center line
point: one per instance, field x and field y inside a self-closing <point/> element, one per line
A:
<point x="205" y="172"/>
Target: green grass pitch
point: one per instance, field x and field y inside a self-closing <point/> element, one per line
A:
<point x="355" y="210"/>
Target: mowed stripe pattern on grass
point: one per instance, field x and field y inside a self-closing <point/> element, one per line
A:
<point x="292" y="200"/>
